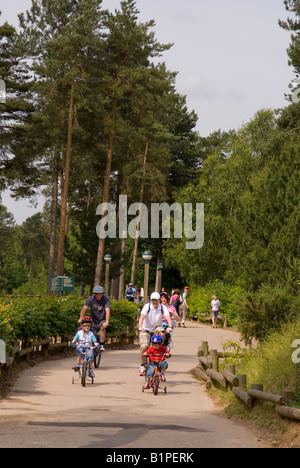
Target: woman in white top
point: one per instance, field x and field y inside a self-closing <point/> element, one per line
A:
<point x="215" y="305"/>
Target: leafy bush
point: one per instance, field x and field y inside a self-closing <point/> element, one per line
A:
<point x="265" y="311"/>
<point x="271" y="362"/>
<point x="228" y="295"/>
<point x="40" y="317"/>
<point x="123" y="314"/>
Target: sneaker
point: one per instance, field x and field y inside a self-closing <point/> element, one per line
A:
<point x="91" y="374"/>
<point x="142" y="370"/>
<point x="76" y="368"/>
<point x="163" y="377"/>
<point x="171" y="344"/>
<point x="101" y="348"/>
<point x="146" y="386"/>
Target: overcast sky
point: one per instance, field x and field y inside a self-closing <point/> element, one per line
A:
<point x="230" y="56"/>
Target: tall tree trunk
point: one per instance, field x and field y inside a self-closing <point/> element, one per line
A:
<point x="137" y="235"/>
<point x="65" y="188"/>
<point x="51" y="265"/>
<point x="122" y="271"/>
<point x="101" y="246"/>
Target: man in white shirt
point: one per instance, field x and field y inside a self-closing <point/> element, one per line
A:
<point x="150" y="319"/>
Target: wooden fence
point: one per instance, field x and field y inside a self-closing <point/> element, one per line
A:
<point x="209" y="371"/>
<point x="25" y="349"/>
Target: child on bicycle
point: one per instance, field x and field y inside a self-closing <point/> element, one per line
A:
<point x="85" y="338"/>
<point x="156" y="352"/>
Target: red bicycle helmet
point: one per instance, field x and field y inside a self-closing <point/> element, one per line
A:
<point x="86" y="320"/>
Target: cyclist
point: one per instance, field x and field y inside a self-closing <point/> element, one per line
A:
<point x="99" y="311"/>
<point x="156" y="352"/>
<point x="151" y="318"/>
<point x="85" y="338"/>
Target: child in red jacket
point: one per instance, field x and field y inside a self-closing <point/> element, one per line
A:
<point x="156" y="352"/>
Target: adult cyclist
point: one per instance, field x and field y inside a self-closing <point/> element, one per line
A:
<point x="99" y="311"/>
<point x="151" y="318"/>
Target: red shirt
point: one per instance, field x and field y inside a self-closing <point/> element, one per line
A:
<point x="157" y="352"/>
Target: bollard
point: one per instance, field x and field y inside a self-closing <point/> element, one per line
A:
<point x="214" y="359"/>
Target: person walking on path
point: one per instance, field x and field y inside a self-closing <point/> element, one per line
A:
<point x="215" y="305"/>
<point x="175" y="301"/>
<point x="184" y="306"/>
<point x="130" y="293"/>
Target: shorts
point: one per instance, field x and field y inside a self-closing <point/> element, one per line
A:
<point x="89" y="355"/>
<point x="215" y="313"/>
<point x="144" y="339"/>
<point x="163" y="365"/>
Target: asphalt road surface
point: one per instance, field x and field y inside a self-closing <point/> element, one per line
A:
<point x="46" y="410"/>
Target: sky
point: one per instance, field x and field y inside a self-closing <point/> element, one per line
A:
<point x="230" y="56"/>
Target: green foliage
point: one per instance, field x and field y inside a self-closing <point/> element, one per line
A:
<point x="234" y="351"/>
<point x="271" y="362"/>
<point x="265" y="311"/>
<point x="40" y="317"/>
<point x="229" y="296"/>
<point x="123" y="314"/>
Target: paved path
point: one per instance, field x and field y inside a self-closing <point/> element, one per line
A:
<point x="46" y="410"/>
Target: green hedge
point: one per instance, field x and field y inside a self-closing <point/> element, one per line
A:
<point x="32" y="317"/>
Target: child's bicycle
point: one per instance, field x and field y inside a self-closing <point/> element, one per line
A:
<point x="97" y="351"/>
<point x="83" y="371"/>
<point x="155" y="382"/>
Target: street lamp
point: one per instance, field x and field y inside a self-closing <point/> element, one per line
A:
<point x="147" y="256"/>
<point x="160" y="268"/>
<point x="107" y="259"/>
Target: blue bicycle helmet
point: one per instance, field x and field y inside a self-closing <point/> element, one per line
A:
<point x="157" y="339"/>
<point x="98" y="290"/>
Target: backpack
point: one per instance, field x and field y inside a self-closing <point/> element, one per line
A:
<point x="176" y="302"/>
<point x="161" y="308"/>
<point x="129" y="292"/>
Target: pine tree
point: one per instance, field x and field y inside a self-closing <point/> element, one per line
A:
<point x="67" y="34"/>
<point x="128" y="50"/>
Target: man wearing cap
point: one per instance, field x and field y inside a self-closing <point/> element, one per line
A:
<point x="151" y="318"/>
<point x="99" y="311"/>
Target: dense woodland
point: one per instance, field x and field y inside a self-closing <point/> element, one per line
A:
<point x="92" y="112"/>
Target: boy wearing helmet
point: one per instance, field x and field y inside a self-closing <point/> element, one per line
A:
<point x="150" y="319"/>
<point x="85" y="337"/>
<point x="156" y="352"/>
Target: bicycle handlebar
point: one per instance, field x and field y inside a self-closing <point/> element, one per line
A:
<point x="84" y="347"/>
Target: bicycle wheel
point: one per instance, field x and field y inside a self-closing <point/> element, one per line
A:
<point x="97" y="359"/>
<point x="83" y="374"/>
<point x="155" y="384"/>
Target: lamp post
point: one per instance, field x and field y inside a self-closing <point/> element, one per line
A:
<point x="147" y="256"/>
<point x="159" y="271"/>
<point x="107" y="259"/>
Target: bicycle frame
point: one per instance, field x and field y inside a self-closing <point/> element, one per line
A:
<point x="83" y="370"/>
<point x="155" y="382"/>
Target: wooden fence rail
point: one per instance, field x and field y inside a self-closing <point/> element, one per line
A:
<point x="23" y="350"/>
<point x="208" y="370"/>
